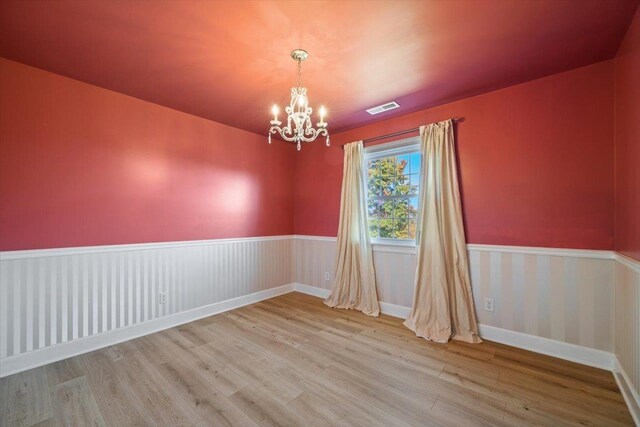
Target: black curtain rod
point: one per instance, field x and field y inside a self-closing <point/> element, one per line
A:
<point x="390" y="135"/>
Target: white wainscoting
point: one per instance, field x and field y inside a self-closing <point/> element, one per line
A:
<point x="626" y="330"/>
<point x="54" y="301"/>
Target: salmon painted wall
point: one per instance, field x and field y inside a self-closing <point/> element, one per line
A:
<point x="536" y="163"/>
<point x="80" y="165"/>
<point x="627" y="142"/>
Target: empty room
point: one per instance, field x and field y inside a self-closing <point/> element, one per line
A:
<point x="320" y="213"/>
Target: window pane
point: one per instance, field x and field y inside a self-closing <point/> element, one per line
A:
<point x="411" y="229"/>
<point x="388" y="186"/>
<point x="402" y="185"/>
<point x="400" y="229"/>
<point x="416" y="161"/>
<point x="386" y="228"/>
<point x="401" y="208"/>
<point x="374" y="207"/>
<point x="402" y="164"/>
<point x="412" y="209"/>
<point x="374" y="167"/>
<point x="414" y="183"/>
<point x="373" y="228"/>
<point x="386" y="208"/>
<point x="387" y="166"/>
<point x="373" y="188"/>
<point x="373" y="178"/>
<point x="387" y="172"/>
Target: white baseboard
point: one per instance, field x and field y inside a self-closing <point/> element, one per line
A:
<point x="394" y="310"/>
<point x="311" y="290"/>
<point x="385" y="308"/>
<point x="562" y="350"/>
<point x="36" y="358"/>
<point x="629" y="393"/>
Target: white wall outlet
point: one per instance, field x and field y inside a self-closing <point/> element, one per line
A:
<point x="326" y="276"/>
<point x="489" y="304"/>
<point x="162" y="298"/>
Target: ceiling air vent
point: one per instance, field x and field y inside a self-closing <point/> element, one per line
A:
<point x="382" y="108"/>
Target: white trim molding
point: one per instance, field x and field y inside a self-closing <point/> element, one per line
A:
<point x="394" y="249"/>
<point x="46" y="355"/>
<point x="311" y="290"/>
<point x="629" y="393"/>
<point x="528" y="250"/>
<point x="84" y="250"/>
<point x="317" y="238"/>
<point x="394" y="310"/>
<point x="628" y="262"/>
<point x="562" y="350"/>
<point x="392" y="148"/>
<point x="385" y="308"/>
<point x="403" y="247"/>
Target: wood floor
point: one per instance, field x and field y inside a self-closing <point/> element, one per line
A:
<point x="292" y="361"/>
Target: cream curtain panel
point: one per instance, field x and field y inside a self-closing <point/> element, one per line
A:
<point x="354" y="285"/>
<point x="442" y="302"/>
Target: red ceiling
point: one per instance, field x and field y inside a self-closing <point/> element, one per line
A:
<point x="229" y="60"/>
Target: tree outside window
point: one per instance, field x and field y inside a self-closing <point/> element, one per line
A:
<point x="392" y="196"/>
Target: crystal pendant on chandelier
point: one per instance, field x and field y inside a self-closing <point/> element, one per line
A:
<point x="299" y="126"/>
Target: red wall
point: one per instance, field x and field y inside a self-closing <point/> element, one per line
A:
<point x="80" y="165"/>
<point x="627" y="142"/>
<point x="536" y="163"/>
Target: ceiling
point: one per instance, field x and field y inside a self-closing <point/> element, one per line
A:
<point x="229" y="61"/>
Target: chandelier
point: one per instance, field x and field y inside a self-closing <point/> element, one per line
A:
<point x="299" y="126"/>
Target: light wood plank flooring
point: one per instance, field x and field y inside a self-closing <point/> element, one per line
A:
<point x="292" y="361"/>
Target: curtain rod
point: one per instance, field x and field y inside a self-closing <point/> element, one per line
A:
<point x="402" y="132"/>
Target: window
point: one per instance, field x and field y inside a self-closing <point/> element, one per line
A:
<point x="393" y="183"/>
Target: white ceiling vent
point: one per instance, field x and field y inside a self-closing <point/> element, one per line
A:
<point x="382" y="108"/>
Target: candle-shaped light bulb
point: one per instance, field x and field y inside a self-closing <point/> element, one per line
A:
<point x="275" y="110"/>
<point x="323" y="112"/>
<point x="300" y="100"/>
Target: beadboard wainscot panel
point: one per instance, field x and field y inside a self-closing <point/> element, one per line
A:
<point x="626" y="330"/>
<point x="59" y="302"/>
<point x="559" y="294"/>
<point x="314" y="257"/>
<point x="55" y="303"/>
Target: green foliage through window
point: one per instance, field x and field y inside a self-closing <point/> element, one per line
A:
<point x="392" y="196"/>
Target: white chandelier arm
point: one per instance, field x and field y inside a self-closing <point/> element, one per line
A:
<point x="312" y="134"/>
<point x="283" y="133"/>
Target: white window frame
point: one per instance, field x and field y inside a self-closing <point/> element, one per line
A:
<point x="395" y="148"/>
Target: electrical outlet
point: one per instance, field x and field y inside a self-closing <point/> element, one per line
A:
<point x="326" y="276"/>
<point x="489" y="304"/>
<point x="162" y="298"/>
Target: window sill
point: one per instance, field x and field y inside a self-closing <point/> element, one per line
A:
<point x="397" y="247"/>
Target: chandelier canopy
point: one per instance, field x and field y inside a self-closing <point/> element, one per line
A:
<point x="299" y="126"/>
